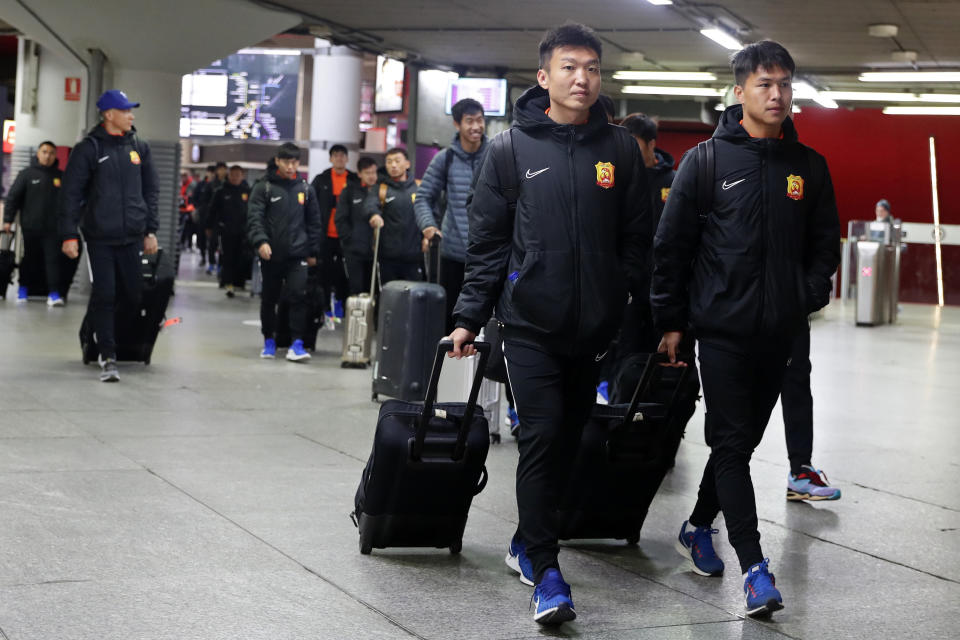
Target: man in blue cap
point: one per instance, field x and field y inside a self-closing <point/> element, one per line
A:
<point x="110" y="193"/>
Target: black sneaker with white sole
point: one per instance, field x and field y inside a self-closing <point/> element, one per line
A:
<point x="109" y="371"/>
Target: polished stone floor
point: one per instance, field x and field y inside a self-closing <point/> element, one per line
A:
<point x="207" y="496"/>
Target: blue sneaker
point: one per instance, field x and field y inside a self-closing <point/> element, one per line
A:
<point x="54" y="300"/>
<point x="22" y="294"/>
<point x="518" y="561"/>
<point x="513" y="421"/>
<point x="810" y="484"/>
<point x="696" y="545"/>
<point x="296" y="352"/>
<point x="269" y="348"/>
<point x="760" y="589"/>
<point x="337" y="309"/>
<point x="552" y="600"/>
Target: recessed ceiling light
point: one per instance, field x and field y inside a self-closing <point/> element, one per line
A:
<point x="870" y="96"/>
<point x="940" y="97"/>
<point x="666" y="76"/>
<point x="673" y="91"/>
<point x="722" y="38"/>
<point x="910" y="76"/>
<point x="805" y="91"/>
<point x="660" y="2"/>
<point x="922" y="111"/>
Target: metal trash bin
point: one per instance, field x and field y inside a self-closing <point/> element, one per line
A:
<point x="872" y="304"/>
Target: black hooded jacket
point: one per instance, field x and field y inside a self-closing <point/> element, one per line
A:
<point x="36" y="195"/>
<point x="558" y="269"/>
<point x="762" y="260"/>
<point x="661" y="177"/>
<point x="284" y="214"/>
<point x="400" y="236"/>
<point x="323" y="185"/>
<point x="110" y="189"/>
<point x="353" y="222"/>
<point x="228" y="208"/>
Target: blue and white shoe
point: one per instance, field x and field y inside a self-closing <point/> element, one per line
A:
<point x="54" y="300"/>
<point x="513" y="421"/>
<point x="552" y="601"/>
<point x="518" y="561"/>
<point x="269" y="348"/>
<point x="296" y="352"/>
<point x="22" y="295"/>
<point x="810" y="484"/>
<point x="760" y="590"/>
<point x="696" y="545"/>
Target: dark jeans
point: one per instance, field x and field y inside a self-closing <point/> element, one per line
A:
<point x="741" y="382"/>
<point x="213" y="243"/>
<point x="553" y="396"/>
<point x="42" y="255"/>
<point x="333" y="272"/>
<point x="451" y="279"/>
<point x="231" y="259"/>
<point x="201" y="241"/>
<point x="115" y="269"/>
<point x="289" y="278"/>
<point x="358" y="275"/>
<point x="797" y="403"/>
<point x="391" y="270"/>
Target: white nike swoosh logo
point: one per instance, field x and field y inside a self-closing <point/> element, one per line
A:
<point x="103" y="159"/>
<point x="277" y="198"/>
<point x="34" y="182"/>
<point x="535" y="173"/>
<point x="732" y="184"/>
<point x="391" y="199"/>
<point x="358" y="201"/>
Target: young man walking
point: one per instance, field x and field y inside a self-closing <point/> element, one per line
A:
<point x="743" y="274"/>
<point x="35" y="195"/>
<point x="389" y="206"/>
<point x="558" y="268"/>
<point x="353" y="227"/>
<point x="110" y="193"/>
<point x="286" y="230"/>
<point x="329" y="185"/>
<point x="228" y="216"/>
<point x="451" y="172"/>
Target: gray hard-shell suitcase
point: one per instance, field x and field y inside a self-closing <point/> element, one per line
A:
<point x="358" y="338"/>
<point x="411" y="319"/>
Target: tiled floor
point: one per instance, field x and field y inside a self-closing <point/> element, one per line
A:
<point x="206" y="496"/>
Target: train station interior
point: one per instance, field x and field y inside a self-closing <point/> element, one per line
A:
<point x="209" y="493"/>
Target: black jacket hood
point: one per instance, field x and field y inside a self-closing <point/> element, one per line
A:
<point x="530" y="114"/>
<point x="665" y="161"/>
<point x="35" y="164"/>
<point x="396" y="184"/>
<point x="729" y="127"/>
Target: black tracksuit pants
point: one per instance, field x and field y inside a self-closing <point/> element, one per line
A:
<point x="391" y="270"/>
<point x="284" y="277"/>
<point x="42" y="255"/>
<point x="333" y="273"/>
<point x="359" y="271"/>
<point x="797" y="403"/>
<point x="115" y="269"/>
<point x="451" y="279"/>
<point x="742" y="378"/>
<point x="553" y="397"/>
<point x="231" y="259"/>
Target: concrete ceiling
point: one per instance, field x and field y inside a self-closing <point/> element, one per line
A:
<point x="828" y="38"/>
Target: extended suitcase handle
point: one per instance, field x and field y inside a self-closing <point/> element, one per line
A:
<point x="443" y="347"/>
<point x="651" y="374"/>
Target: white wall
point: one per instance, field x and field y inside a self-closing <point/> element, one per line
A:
<point x="56" y="119"/>
<point x="158" y="117"/>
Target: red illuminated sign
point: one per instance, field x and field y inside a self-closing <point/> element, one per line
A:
<point x="9" y="135"/>
<point x="71" y="89"/>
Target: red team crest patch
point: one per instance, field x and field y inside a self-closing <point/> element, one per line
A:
<point x="56" y="182"/>
<point x="664" y="192"/>
<point x="605" y="174"/>
<point x="794" y="187"/>
<point x="244" y="196"/>
<point x="301" y="197"/>
<point x="134" y="157"/>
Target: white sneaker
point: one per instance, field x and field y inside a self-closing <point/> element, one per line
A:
<point x="54" y="301"/>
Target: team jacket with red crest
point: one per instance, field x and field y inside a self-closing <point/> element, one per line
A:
<point x="763" y="258"/>
<point x="558" y="269"/>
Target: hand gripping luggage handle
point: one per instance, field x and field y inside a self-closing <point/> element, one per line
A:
<point x="650" y="374"/>
<point x="443" y="347"/>
<point x="376" y="269"/>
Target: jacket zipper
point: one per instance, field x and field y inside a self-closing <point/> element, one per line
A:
<point x="576" y="234"/>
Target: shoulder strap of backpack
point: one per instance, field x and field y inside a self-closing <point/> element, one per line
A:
<point x="447" y="162"/>
<point x="383" y="194"/>
<point x="706" y="175"/>
<point x="506" y="168"/>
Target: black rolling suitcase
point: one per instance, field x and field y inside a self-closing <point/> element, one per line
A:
<point x="426" y="466"/>
<point x="8" y="263"/>
<point x="135" y="327"/>
<point x="620" y="465"/>
<point x="411" y="318"/>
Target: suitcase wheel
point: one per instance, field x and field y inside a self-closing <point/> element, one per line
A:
<point x="456" y="547"/>
<point x="633" y="540"/>
<point x="494" y="438"/>
<point x="365" y="547"/>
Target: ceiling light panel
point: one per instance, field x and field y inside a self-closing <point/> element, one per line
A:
<point x="666" y="76"/>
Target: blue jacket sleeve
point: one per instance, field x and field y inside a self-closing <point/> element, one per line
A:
<point x="428" y="193"/>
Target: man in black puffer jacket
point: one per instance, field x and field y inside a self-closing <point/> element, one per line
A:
<point x="110" y="192"/>
<point x="558" y="270"/>
<point x="285" y="228"/>
<point x="35" y="194"/>
<point x="744" y="280"/>
<point x="228" y="217"/>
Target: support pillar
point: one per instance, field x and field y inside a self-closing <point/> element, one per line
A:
<point x="334" y="104"/>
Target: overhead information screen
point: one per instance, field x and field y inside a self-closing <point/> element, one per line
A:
<point x="249" y="95"/>
<point x="490" y="92"/>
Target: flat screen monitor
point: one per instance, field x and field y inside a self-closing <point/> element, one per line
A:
<point x="389" y="88"/>
<point x="248" y="95"/>
<point x="490" y="92"/>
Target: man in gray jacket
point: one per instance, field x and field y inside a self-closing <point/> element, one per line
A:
<point x="451" y="172"/>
